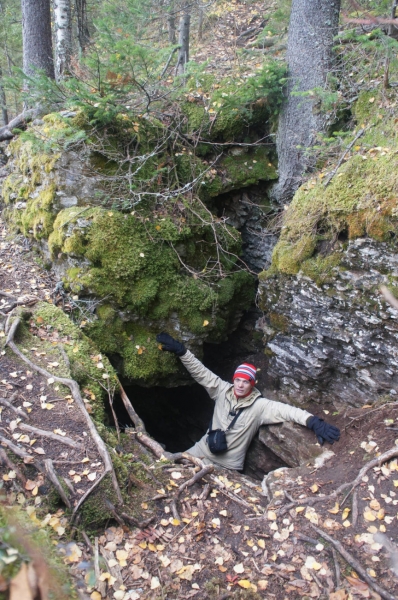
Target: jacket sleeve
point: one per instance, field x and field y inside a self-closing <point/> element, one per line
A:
<point x="213" y="384"/>
<point x="276" y="412"/>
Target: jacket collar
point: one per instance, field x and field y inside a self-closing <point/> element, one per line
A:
<point x="243" y="402"/>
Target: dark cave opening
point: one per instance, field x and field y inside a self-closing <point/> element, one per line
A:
<point x="175" y="417"/>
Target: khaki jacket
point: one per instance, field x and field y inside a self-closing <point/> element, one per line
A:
<point x="257" y="411"/>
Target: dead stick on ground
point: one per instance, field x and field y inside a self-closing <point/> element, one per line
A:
<point x="53" y="477"/>
<point x="8" y="462"/>
<point x="52" y="436"/>
<point x="74" y="388"/>
<point x="355" y="564"/>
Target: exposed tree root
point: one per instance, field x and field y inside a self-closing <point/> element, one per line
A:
<point x="53" y="477"/>
<point x="52" y="436"/>
<point x="4" y="458"/>
<point x="17" y="410"/>
<point x="88" y="492"/>
<point x="354" y="564"/>
<point x="75" y="390"/>
<point x="391" y="453"/>
<point x="197" y="477"/>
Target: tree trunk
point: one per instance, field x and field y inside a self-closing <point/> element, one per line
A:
<point x="183" y="42"/>
<point x="200" y="22"/>
<point x="313" y="24"/>
<point x="63" y="36"/>
<point x="83" y="33"/>
<point x="36" y="35"/>
<point x="171" y="23"/>
<point x="3" y="100"/>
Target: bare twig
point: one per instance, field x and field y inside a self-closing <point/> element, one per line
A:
<point x="354" y="564"/>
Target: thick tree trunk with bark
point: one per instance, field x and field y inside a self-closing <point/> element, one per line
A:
<point x="37" y="42"/>
<point x="183" y="42"/>
<point x="63" y="36"/>
<point x="313" y="24"/>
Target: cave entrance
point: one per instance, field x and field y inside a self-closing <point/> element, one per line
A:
<point x="178" y="417"/>
<point x="175" y="417"/>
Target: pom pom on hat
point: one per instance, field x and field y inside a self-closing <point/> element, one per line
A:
<point x="246" y="371"/>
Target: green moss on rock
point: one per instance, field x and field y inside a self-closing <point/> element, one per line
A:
<point x="83" y="357"/>
<point x="360" y="201"/>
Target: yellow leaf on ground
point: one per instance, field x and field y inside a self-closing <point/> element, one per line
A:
<point x="314" y="488"/>
<point x="345" y="514"/>
<point x="335" y="509"/>
<point x="245" y="584"/>
<point x="369" y="516"/>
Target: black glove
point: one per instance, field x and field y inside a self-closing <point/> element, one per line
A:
<point x="170" y="344"/>
<point x="323" y="431"/>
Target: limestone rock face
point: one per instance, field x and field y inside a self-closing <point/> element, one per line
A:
<point x="337" y="341"/>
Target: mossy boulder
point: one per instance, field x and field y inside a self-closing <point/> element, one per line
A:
<point x="123" y="210"/>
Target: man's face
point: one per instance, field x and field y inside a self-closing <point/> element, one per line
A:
<point x="241" y="387"/>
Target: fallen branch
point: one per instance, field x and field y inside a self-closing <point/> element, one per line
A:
<point x="52" y="436"/>
<point x="354" y="564"/>
<point x="55" y="481"/>
<point x="75" y="390"/>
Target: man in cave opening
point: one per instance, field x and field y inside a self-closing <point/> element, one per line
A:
<point x="240" y="409"/>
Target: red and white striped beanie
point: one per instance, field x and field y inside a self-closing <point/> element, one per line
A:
<point x="246" y="371"/>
